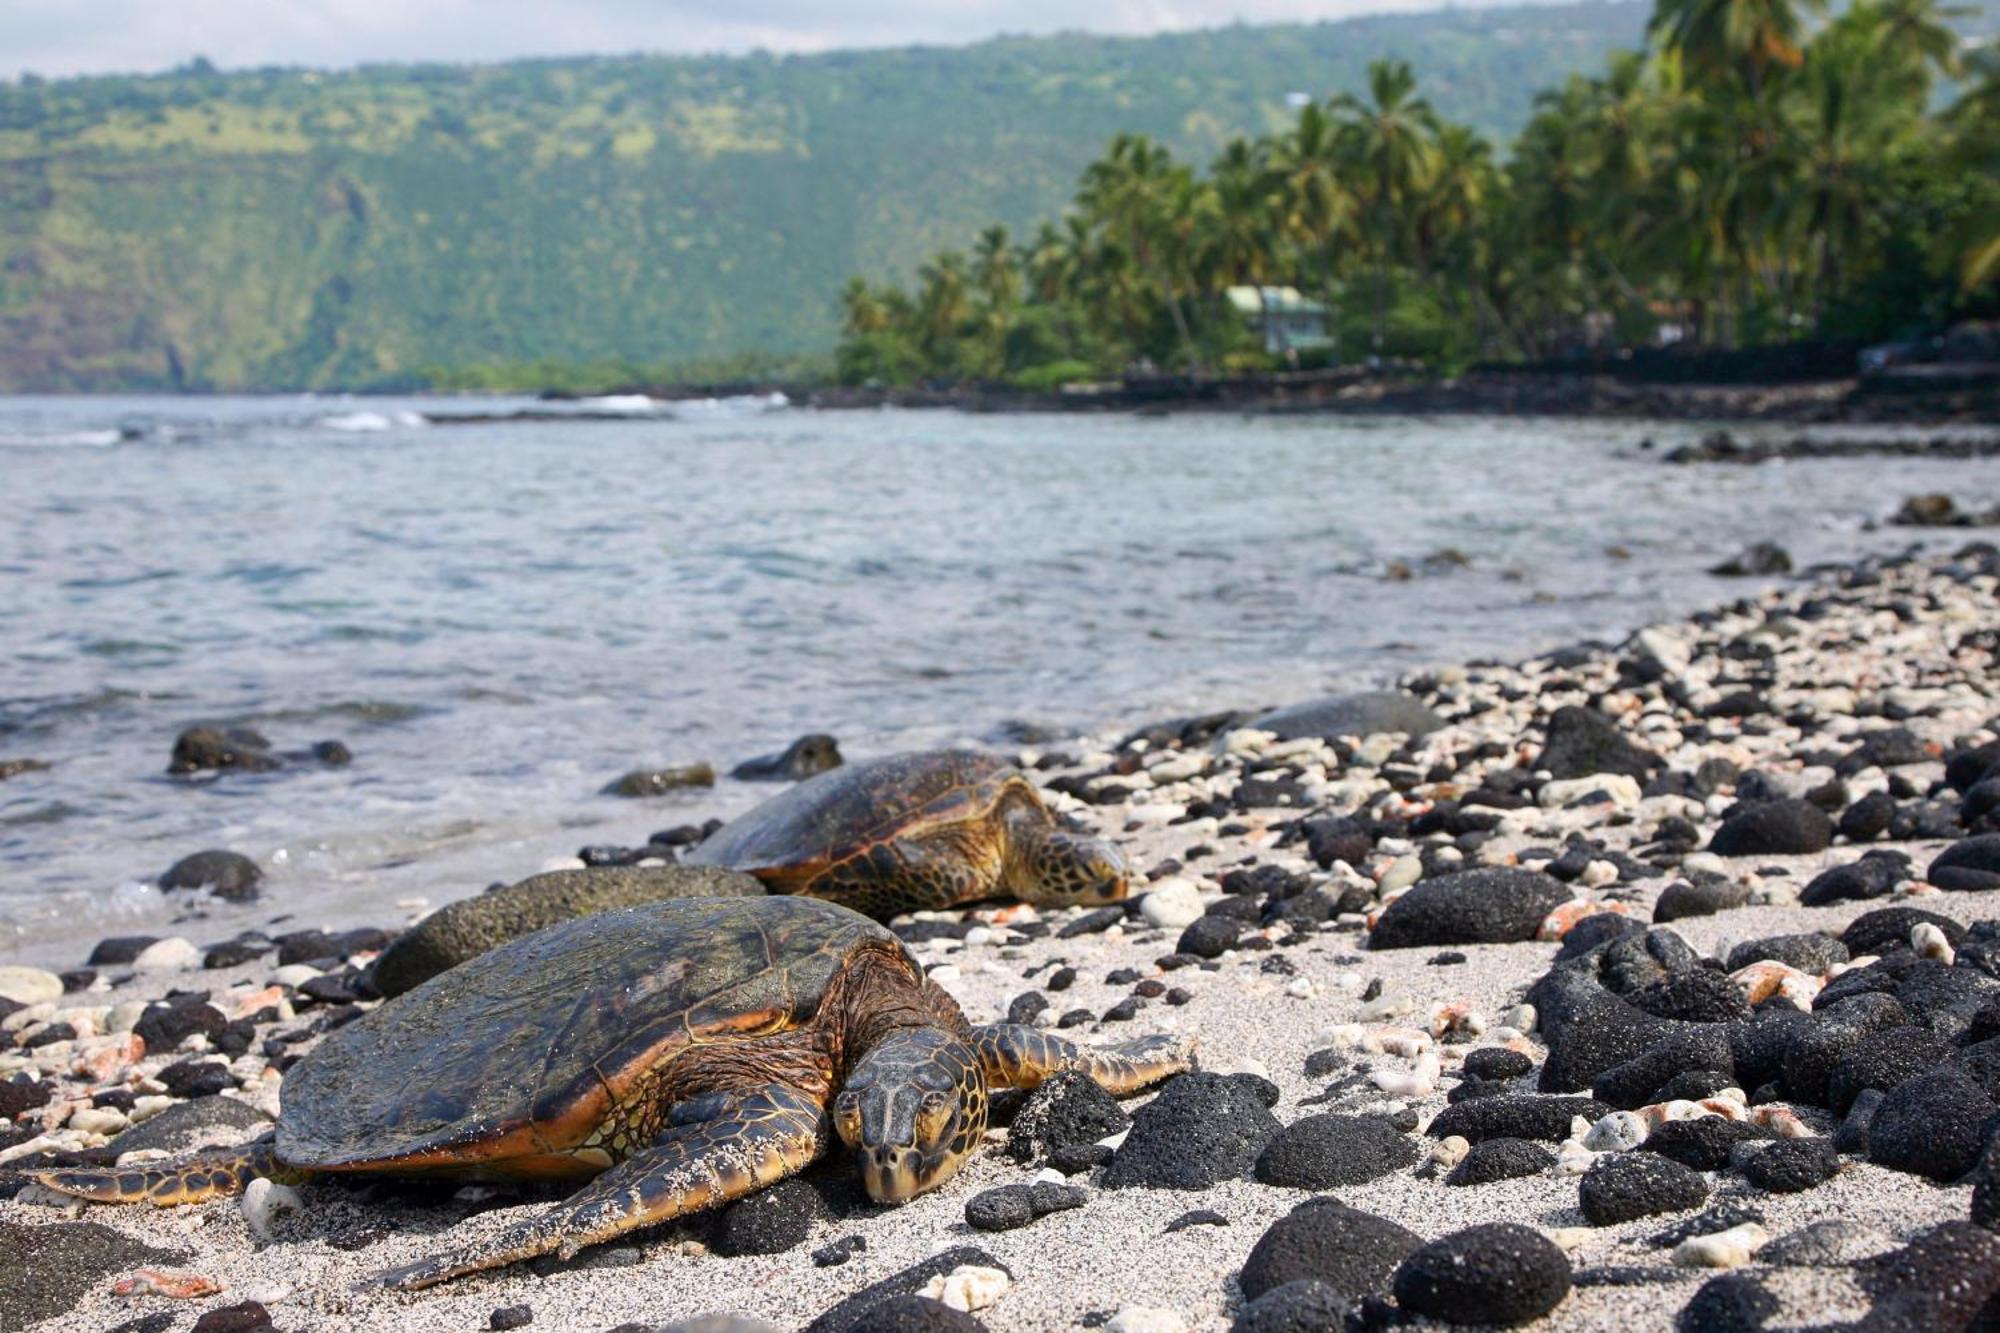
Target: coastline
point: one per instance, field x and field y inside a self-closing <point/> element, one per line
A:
<point x="1828" y="660"/>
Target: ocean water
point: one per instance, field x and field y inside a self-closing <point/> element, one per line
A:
<point x="500" y="618"/>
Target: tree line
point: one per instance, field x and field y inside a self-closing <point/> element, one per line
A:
<point x="1757" y="174"/>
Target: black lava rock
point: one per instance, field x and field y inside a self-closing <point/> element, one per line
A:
<point x="1012" y="1206"/>
<point x="119" y="949"/>
<point x="1514" y="1117"/>
<point x="1852" y="1136"/>
<point x="1870" y="877"/>
<point x="227" y="875"/>
<point x="234" y="953"/>
<point x="1499" y="1273"/>
<point x="1596" y="929"/>
<point x="1944" y="1279"/>
<point x="1693" y="1085"/>
<point x="1702" y="897"/>
<point x="1882" y="1061"/>
<point x="1889" y="928"/>
<point x="1198" y="1217"/>
<point x="1792" y="1165"/>
<point x="835" y="1253"/>
<point x="870" y="1308"/>
<point x="1210" y="936"/>
<point x="1723" y="1216"/>
<point x="1588" y="1029"/>
<point x="1322" y="1151"/>
<point x="510" y="1317"/>
<point x="1755" y="561"/>
<point x="1485" y="906"/>
<point x="1304" y="1306"/>
<point x="1324" y="1240"/>
<point x="1694" y="996"/>
<point x="22" y="1093"/>
<point x="1932" y="1125"/>
<point x="1634" y="1083"/>
<point x="1067" y="1111"/>
<point x="1774" y="828"/>
<point x="1622" y="1186"/>
<point x="1868" y="818"/>
<point x="1808" y="952"/>
<point x="1201" y="1130"/>
<point x="190" y="1124"/>
<point x="1818" y="1048"/>
<point x="200" y="748"/>
<point x="243" y="1317"/>
<point x="1731" y="1303"/>
<point x="1703" y="1143"/>
<point x="163" y="1027"/>
<point x="1582" y="743"/>
<point x="1496" y="1062"/>
<point x="913" y="1314"/>
<point x="1500" y="1159"/>
<point x="1968" y="865"/>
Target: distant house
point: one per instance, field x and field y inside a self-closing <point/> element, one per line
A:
<point x="1286" y="320"/>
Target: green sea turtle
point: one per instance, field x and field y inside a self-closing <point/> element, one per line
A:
<point x="680" y="1054"/>
<point x="917" y="831"/>
<point x="804" y="757"/>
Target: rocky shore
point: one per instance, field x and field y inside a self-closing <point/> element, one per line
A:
<point x="1651" y="985"/>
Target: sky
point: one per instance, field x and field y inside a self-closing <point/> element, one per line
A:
<point x="57" y="37"/>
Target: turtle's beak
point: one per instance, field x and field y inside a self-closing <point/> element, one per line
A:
<point x="898" y="1175"/>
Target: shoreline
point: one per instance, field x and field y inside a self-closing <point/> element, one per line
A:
<point x="1825" y="662"/>
<point x="1914" y="396"/>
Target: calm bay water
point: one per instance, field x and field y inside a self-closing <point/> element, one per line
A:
<point x="500" y="618"/>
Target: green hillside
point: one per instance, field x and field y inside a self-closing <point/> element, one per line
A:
<point x="291" y="228"/>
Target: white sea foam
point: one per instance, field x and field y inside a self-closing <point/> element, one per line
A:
<point x="638" y="404"/>
<point x="59" y="439"/>
<point x="371" y="421"/>
<point x="736" y="405"/>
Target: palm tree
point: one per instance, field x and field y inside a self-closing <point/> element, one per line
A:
<point x="1855" y="105"/>
<point x="1137" y="195"/>
<point x="862" y="310"/>
<point x="1238" y="240"/>
<point x="1918" y="31"/>
<point x="1448" y="230"/>
<point x="1975" y="151"/>
<point x="944" y="306"/>
<point x="1391" y="143"/>
<point x="997" y="277"/>
<point x="1748" y="37"/>
<point x="1316" y="206"/>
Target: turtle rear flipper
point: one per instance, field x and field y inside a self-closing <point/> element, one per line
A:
<point x="1014" y="1056"/>
<point x="756" y="1140"/>
<point x="210" y="1174"/>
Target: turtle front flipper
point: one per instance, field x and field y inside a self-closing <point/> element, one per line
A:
<point x="212" y="1174"/>
<point x="753" y="1140"/>
<point x="1014" y="1056"/>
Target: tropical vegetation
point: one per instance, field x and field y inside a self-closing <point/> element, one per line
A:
<point x="1757" y="172"/>
<point x="589" y="221"/>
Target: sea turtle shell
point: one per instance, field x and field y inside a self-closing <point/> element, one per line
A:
<point x="514" y="1058"/>
<point x="791" y="840"/>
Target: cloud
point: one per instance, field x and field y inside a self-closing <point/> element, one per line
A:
<point x="87" y="36"/>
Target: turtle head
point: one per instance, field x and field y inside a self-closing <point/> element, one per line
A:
<point x="1058" y="868"/>
<point x="914" y="1107"/>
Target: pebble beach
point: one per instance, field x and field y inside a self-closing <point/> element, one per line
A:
<point x="1641" y="984"/>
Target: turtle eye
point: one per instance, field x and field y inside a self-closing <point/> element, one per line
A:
<point x="933" y="1112"/>
<point x="847" y="1118"/>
